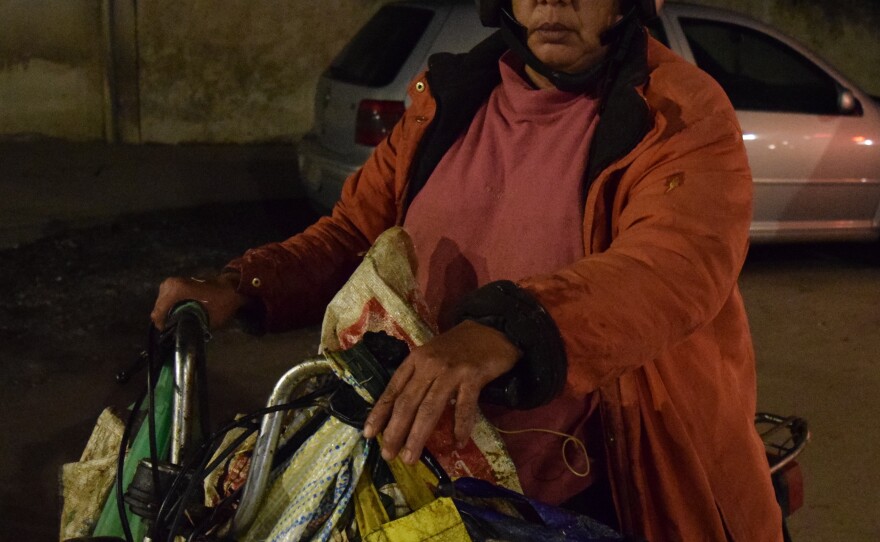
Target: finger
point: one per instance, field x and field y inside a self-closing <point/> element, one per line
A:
<point x="426" y="418"/>
<point x="162" y="305"/>
<point x="155" y="316"/>
<point x="171" y="291"/>
<point x="381" y="410"/>
<point x="466" y="411"/>
<point x="403" y="414"/>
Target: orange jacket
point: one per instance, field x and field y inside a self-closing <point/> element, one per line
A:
<point x="651" y="318"/>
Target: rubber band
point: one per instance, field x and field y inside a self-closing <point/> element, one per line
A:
<point x="568" y="439"/>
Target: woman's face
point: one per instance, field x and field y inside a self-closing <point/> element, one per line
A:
<point x="564" y="34"/>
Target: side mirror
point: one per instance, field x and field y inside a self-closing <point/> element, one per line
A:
<point x="848" y="104"/>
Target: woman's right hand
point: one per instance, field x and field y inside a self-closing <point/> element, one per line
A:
<point x="218" y="296"/>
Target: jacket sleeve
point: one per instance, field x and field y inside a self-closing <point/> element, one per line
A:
<point x="293" y="280"/>
<point x="683" y="211"/>
<point x="684" y="208"/>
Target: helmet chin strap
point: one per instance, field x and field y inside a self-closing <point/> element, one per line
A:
<point x="586" y="81"/>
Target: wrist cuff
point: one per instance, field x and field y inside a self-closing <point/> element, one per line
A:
<point x="540" y="374"/>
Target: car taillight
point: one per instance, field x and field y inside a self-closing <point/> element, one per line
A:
<point x="375" y="119"/>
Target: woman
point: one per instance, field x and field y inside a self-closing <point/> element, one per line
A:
<point x="579" y="199"/>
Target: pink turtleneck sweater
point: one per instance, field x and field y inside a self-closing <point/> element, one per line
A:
<point x="505" y="202"/>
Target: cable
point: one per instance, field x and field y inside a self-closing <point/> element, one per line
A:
<point x="126" y="437"/>
<point x="197" y="478"/>
<point x="198" y="475"/>
<point x="202" y="388"/>
<point x="204" y="453"/>
<point x="568" y="439"/>
<point x="120" y="465"/>
<point x="207" y="522"/>
<point x="152" y="375"/>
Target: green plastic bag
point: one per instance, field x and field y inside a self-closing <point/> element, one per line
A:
<point x="110" y="524"/>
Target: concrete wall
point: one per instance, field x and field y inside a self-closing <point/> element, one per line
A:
<point x="244" y="71"/>
<point x="167" y="71"/>
<point x="51" y="70"/>
<point x="240" y="70"/>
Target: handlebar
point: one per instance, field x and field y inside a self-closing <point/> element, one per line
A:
<point x="188" y="322"/>
<point x="267" y="441"/>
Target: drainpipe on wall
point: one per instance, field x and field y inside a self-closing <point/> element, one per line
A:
<point x="109" y="76"/>
<point x="121" y="71"/>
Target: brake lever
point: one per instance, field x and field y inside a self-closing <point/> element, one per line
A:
<point x="133" y="368"/>
<point x="143" y="357"/>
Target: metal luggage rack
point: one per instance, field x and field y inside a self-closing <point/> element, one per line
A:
<point x="785" y="437"/>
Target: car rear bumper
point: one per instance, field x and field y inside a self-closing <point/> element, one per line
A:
<point x="813" y="231"/>
<point x="323" y="172"/>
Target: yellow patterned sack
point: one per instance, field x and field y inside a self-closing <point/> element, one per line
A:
<point x="439" y="521"/>
<point x="308" y="498"/>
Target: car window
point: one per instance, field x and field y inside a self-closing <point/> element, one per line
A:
<point x="655" y="27"/>
<point x="377" y="52"/>
<point x="758" y="72"/>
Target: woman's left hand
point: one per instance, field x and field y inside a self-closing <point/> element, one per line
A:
<point x="451" y="368"/>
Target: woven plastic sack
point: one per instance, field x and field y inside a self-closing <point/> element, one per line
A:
<point x="309" y="496"/>
<point x="86" y="483"/>
<point x="439" y="521"/>
<point x="383" y="295"/>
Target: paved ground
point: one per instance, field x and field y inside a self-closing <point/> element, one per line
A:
<point x="815" y="317"/>
<point x="84" y="256"/>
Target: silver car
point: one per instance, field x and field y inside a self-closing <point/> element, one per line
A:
<point x="812" y="137"/>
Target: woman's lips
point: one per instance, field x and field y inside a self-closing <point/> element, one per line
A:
<point x="552" y="32"/>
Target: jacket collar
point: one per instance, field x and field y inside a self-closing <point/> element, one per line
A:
<point x="461" y="83"/>
<point x="625" y="117"/>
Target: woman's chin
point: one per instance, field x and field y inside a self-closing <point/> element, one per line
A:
<point x="559" y="57"/>
<point x="563" y="58"/>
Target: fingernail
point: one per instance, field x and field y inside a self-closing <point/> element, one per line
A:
<point x="386" y="455"/>
<point x="460" y="444"/>
<point x="368" y="431"/>
<point x="408" y="457"/>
